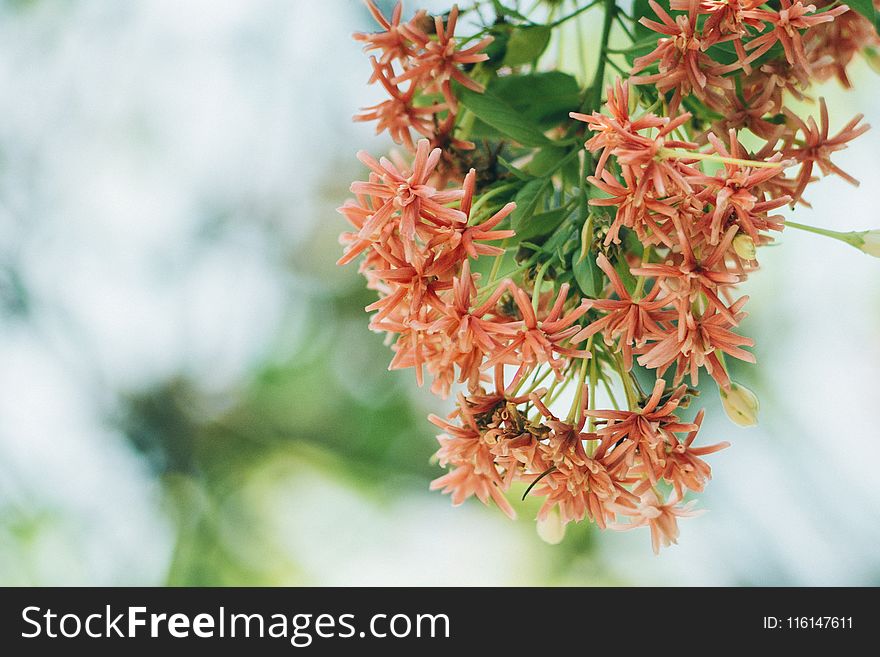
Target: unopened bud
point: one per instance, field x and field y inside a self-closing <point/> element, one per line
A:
<point x="740" y="404"/>
<point x="744" y="246"/>
<point x="550" y="528"/>
<point x="871" y="242"/>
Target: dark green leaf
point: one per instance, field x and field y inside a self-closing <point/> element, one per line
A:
<point x="544" y="99"/>
<point x="498" y="48"/>
<point x="587" y="273"/>
<point x="622" y="269"/>
<point x="546" y="160"/>
<point x="526" y="44"/>
<point x="519" y="173"/>
<point x="527" y="200"/>
<point x="632" y="243"/>
<point x="501" y="116"/>
<point x="541" y="224"/>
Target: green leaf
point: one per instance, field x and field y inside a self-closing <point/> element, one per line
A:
<point x="622" y="269"/>
<point x="527" y="200"/>
<point x="541" y="224"/>
<point x="864" y="7"/>
<point x="587" y="273"/>
<point x="526" y="45"/>
<point x="498" y="48"/>
<point x="546" y="160"/>
<point x="632" y="243"/>
<point x="544" y="99"/>
<point x="519" y="173"/>
<point x="501" y="116"/>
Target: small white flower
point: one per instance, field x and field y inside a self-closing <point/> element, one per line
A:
<point x="740" y="404"/>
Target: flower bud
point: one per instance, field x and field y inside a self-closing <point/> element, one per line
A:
<point x="871" y="242"/>
<point x="744" y="246"/>
<point x="740" y="404"/>
<point x="550" y="528"/>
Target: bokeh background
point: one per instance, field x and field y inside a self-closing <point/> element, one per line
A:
<point x="189" y="394"/>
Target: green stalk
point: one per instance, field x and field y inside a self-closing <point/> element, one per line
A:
<point x="599" y="78"/>
<point x="577" y="12"/>
<point x="536" y="291"/>
<point x="574" y="412"/>
<point x="853" y="238"/>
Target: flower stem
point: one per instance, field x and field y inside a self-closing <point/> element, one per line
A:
<point x="640" y="284"/>
<point x="496" y="266"/>
<point x="853" y="238"/>
<point x="629" y="391"/>
<point x="672" y="153"/>
<point x="480" y="202"/>
<point x="536" y="291"/>
<point x="610" y="393"/>
<point x="599" y="78"/>
<point x="577" y="12"/>
<point x="574" y="412"/>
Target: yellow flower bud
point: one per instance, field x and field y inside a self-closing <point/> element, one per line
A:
<point x="551" y="529"/>
<point x="740" y="404"/>
<point x="871" y="242"/>
<point x="744" y="246"/>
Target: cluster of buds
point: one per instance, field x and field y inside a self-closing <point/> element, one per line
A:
<point x="622" y="274"/>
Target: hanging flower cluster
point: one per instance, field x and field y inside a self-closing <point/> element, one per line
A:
<point x="523" y="272"/>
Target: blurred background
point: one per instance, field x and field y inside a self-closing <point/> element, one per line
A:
<point x="189" y="394"/>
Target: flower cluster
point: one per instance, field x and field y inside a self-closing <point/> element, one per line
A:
<point x="684" y="56"/>
<point x="418" y="253"/>
<point x="621" y="277"/>
<point x="416" y="62"/>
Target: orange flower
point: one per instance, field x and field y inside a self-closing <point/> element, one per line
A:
<point x="540" y="341"/>
<point x="694" y="344"/>
<point x="392" y="41"/>
<point x="684" y="467"/>
<point x="683" y="66"/>
<point x="693" y="277"/>
<point x="632" y="320"/>
<point x="643" y="432"/>
<point x="398" y="115"/>
<point x="611" y="131"/>
<point x="735" y="192"/>
<point x="405" y="196"/>
<point x="662" y="518"/>
<point x="457" y="240"/>
<point x="816" y="146"/>
<point x="576" y="484"/>
<point x="788" y="23"/>
<point x="437" y="62"/>
<point x="831" y="47"/>
<point x="474" y="471"/>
